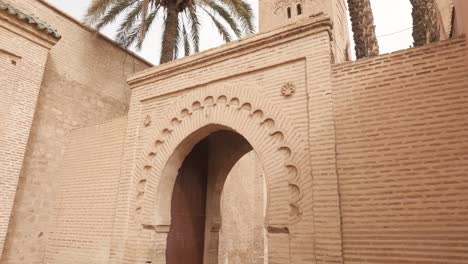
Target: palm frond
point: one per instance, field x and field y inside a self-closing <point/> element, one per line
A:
<point x="97" y="9"/>
<point x="230" y="17"/>
<point x="187" y="46"/>
<point x="244" y="12"/>
<point x="219" y="26"/>
<point x="113" y="12"/>
<point x="194" y="23"/>
<point x="225" y="15"/>
<point x="145" y="28"/>
<point x="130" y="37"/>
<point x="126" y="27"/>
<point x="133" y="35"/>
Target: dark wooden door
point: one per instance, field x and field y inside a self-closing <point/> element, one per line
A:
<point x="185" y="242"/>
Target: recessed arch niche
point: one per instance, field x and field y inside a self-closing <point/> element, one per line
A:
<point x="193" y="118"/>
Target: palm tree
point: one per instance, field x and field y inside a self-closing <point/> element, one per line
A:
<point x="362" y="22"/>
<point x="426" y="28"/>
<point x="181" y="21"/>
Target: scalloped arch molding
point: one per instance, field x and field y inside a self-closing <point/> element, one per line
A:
<point x="198" y="113"/>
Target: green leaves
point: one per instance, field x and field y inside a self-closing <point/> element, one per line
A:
<point x="230" y="18"/>
<point x="97" y="9"/>
<point x="243" y="11"/>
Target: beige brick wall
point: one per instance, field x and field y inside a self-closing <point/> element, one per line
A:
<point x="81" y="229"/>
<point x="241" y="238"/>
<point x="402" y="140"/>
<point x="83" y="55"/>
<point x="23" y="57"/>
<point x="84" y="84"/>
<point x="376" y="149"/>
<point x="87" y="186"/>
<point x="341" y="41"/>
<point x="246" y="70"/>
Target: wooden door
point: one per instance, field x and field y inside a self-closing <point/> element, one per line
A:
<point x="185" y="242"/>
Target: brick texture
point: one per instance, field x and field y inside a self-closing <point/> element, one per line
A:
<point x="83" y="84"/>
<point x="246" y="72"/>
<point x="83" y="217"/>
<point x="401" y="124"/>
<point x="363" y="162"/>
<point x="23" y="54"/>
<point x="242" y="234"/>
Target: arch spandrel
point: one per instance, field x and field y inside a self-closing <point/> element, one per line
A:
<point x="203" y="111"/>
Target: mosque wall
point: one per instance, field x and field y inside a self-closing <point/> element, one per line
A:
<point x="401" y="133"/>
<point x="23" y="55"/>
<point x="288" y="68"/>
<point x="83" y="214"/>
<point x="376" y="148"/>
<point x="84" y="83"/>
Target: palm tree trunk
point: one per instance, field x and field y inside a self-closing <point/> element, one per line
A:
<point x="426" y="28"/>
<point x="362" y="22"/>
<point x="170" y="32"/>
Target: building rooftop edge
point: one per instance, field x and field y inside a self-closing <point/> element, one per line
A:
<point x="30" y="19"/>
<point x="313" y="22"/>
<point x="401" y="52"/>
<point x="93" y="30"/>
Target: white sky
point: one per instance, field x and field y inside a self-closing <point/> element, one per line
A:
<point x="392" y="18"/>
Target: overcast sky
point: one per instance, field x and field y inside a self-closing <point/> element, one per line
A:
<point x="392" y="18"/>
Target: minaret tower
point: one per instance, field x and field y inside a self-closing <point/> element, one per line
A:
<point x="278" y="13"/>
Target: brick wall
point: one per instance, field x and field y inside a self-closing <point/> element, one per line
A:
<point x="402" y="141"/>
<point x="23" y="54"/>
<point x="84" y="84"/>
<point x="301" y="57"/>
<point x="341" y="32"/>
<point x="241" y="238"/>
<point x="83" y="55"/>
<point x="86" y="191"/>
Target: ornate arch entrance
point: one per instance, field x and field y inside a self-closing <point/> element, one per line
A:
<point x="198" y="115"/>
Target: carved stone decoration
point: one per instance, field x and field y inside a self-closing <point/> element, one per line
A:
<point x="147" y="120"/>
<point x="206" y="105"/>
<point x="288" y="89"/>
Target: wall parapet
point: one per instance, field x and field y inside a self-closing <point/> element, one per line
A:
<point x="400" y="53"/>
